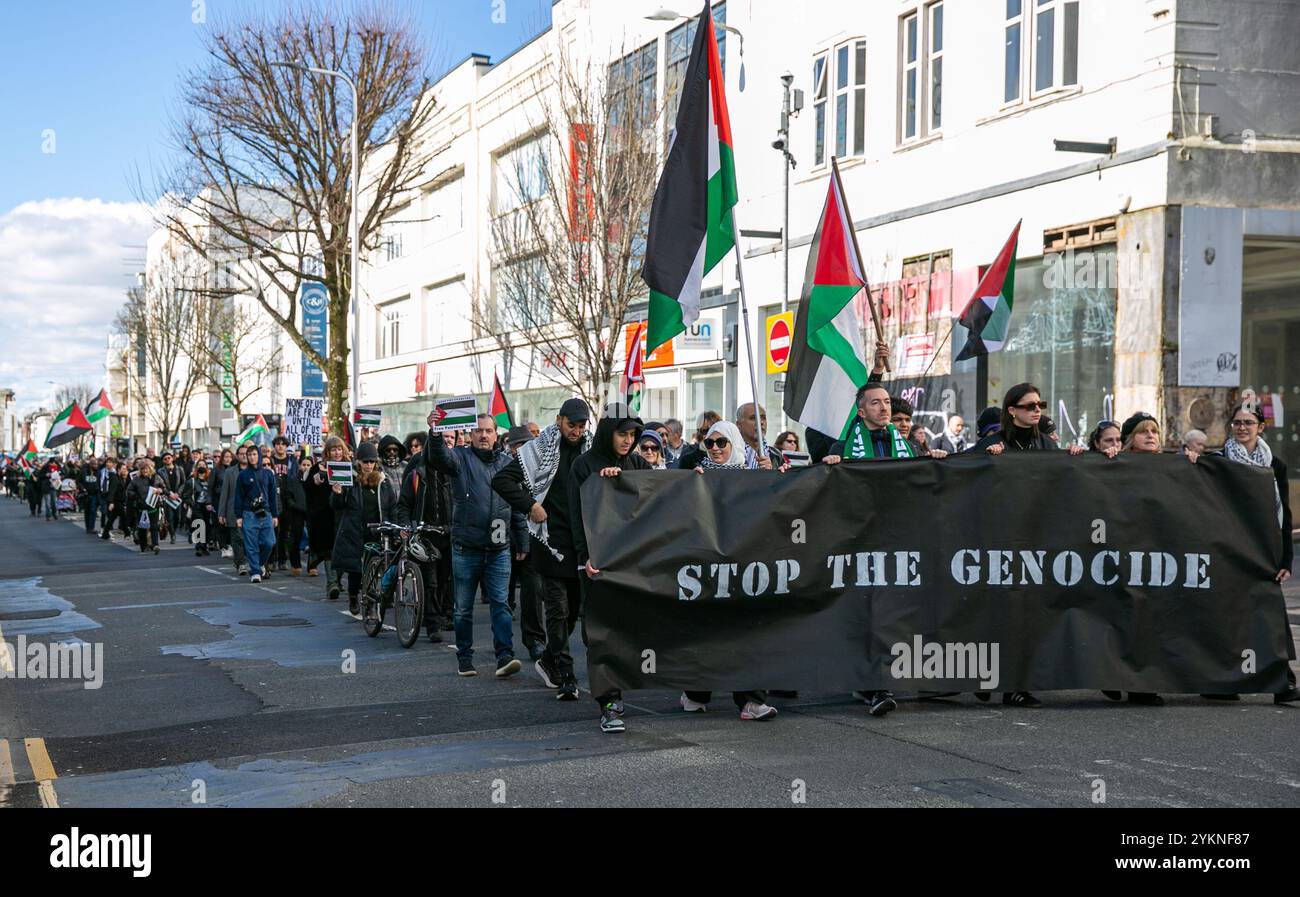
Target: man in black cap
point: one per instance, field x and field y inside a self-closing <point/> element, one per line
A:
<point x="536" y="484"/>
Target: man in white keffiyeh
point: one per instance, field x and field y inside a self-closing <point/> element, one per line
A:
<point x="536" y="484"/>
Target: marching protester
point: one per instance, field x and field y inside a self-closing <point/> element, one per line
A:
<point x="726" y="449"/>
<point x="988" y="423"/>
<point x="1105" y="437"/>
<point x="217" y="476"/>
<point x="256" y="507"/>
<point x="1246" y="445"/>
<point x="321" y="524"/>
<point x="48" y="478"/>
<point x="484" y="532"/>
<point x="609" y="455"/>
<point x="651" y="449"/>
<point x="1194" y="442"/>
<point x="392" y="456"/>
<point x="749" y="431"/>
<point x="532" y="622"/>
<point x="197" y="495"/>
<point x="536" y="484"/>
<point x="144" y="501"/>
<point x="690" y="456"/>
<point x="173" y="478"/>
<point x="953" y="439"/>
<point x="426" y="499"/>
<point x="90" y="482"/>
<point x="673" y="443"/>
<point x="369" y="500"/>
<point x="293" y="508"/>
<point x="113" y="495"/>
<point x="226" y="509"/>
<point x="786" y="442"/>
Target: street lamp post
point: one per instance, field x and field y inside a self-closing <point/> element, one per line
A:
<point x="353" y="230"/>
<point x="790" y="105"/>
<point x="664" y="14"/>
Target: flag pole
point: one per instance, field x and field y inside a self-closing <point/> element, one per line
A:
<point x="853" y="235"/>
<point x="749" y="340"/>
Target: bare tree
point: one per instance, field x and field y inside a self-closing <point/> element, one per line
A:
<point x="167" y="323"/>
<point x="569" y="239"/>
<point x="238" y="361"/>
<point x="264" y="189"/>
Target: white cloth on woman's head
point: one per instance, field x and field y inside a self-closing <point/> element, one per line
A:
<point x="1262" y="456"/>
<point x="737" y="456"/>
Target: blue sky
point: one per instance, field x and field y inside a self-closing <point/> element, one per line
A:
<point x="102" y="75"/>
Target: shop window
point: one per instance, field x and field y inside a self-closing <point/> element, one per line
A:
<point x="1270" y="341"/>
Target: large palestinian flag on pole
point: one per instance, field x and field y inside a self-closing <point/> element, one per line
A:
<point x="500" y="408"/>
<point x="691" y="227"/>
<point x="633" y="372"/>
<point x="27" y="460"/>
<point x="70" y="424"/>
<point x="827" y="362"/>
<point x="100" y="408"/>
<point x="988" y="314"/>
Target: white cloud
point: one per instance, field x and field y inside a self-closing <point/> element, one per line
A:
<point x="62" y="280"/>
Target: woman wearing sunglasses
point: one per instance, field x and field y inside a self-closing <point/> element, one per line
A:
<point x="726" y="450"/>
<point x="651" y="450"/>
<point x="1246" y="446"/>
<point x="1022" y="410"/>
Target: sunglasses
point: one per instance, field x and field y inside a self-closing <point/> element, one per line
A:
<point x="1032" y="406"/>
<point x="649" y="447"/>
<point x="720" y="442"/>
<point x="1245" y="423"/>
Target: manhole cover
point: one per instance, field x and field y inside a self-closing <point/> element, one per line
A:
<point x="30" y="614"/>
<point x="276" y="621"/>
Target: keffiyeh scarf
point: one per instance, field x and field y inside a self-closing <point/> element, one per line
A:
<point x="858" y="444"/>
<point x="540" y="459"/>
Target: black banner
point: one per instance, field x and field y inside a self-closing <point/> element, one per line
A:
<point x="1033" y="572"/>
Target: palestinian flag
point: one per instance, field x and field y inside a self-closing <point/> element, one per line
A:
<point x="257" y="428"/>
<point x="100" y="408"/>
<point x="500" y="408"/>
<point x="368" y="417"/>
<point x="70" y="424"/>
<point x="988" y="313"/>
<point x="691" y="227"/>
<point x="827" y="361"/>
<point x="633" y="372"/>
<point x="27" y="460"/>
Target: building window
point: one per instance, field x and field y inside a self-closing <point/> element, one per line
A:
<point x="389" y="320"/>
<point x="936" y="65"/>
<point x="444" y="304"/>
<point x="911" y="75"/>
<point x="680" y="41"/>
<point x="1011" y="64"/>
<point x="819" y="110"/>
<point x="444" y="209"/>
<point x="522" y="292"/>
<point x="1270" y="343"/>
<point x="634" y="81"/>
<point x="392" y="246"/>
<point x="859" y="97"/>
<point x="521" y="174"/>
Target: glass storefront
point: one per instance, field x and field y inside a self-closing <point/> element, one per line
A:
<point x="1062" y="338"/>
<point x="1270" y="340"/>
<point x="704" y="392"/>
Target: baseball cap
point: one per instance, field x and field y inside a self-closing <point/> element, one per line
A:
<point x="575" y="411"/>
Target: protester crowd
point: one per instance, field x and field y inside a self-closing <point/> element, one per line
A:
<point x="506" y="508"/>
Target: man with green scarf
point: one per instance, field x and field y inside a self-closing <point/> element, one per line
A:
<point x="871" y="435"/>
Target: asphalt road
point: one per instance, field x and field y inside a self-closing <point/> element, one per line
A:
<point x="219" y="692"/>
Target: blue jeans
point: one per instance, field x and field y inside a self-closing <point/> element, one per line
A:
<point x="51" y="505"/>
<point x="259" y="541"/>
<point x="470" y="568"/>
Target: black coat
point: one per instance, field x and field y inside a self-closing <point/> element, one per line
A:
<point x="115" y="494"/>
<point x="354" y="508"/>
<point x="1284" y="490"/>
<point x="321" y="525"/>
<point x="588" y="465"/>
<point x="1017" y="442"/>
<point x="509" y="484"/>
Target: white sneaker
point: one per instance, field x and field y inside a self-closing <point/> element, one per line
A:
<point x="753" y="711"/>
<point x="691" y="706"/>
<point x="255" y="578"/>
<point x="227" y="552"/>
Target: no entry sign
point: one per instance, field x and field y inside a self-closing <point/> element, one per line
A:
<point x="780" y="329"/>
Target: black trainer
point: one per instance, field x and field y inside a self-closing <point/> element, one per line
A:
<point x="1291" y="695"/>
<point x="547" y="673"/>
<point x="465" y="666"/>
<point x="568" y="690"/>
<point x="507" y="667"/>
<point x="882" y="702"/>
<point x="1020" y="699"/>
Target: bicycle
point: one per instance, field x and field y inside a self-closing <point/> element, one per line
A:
<point x="400" y="550"/>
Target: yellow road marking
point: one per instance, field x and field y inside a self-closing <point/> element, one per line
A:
<point x="6" y="763"/>
<point x="42" y="768"/>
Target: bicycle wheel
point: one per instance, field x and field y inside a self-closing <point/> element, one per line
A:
<point x="372" y="613"/>
<point x="408" y="602"/>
